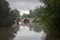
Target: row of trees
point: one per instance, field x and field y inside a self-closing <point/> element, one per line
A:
<point x="32" y="14"/>
<point x="7" y="16"/>
<point x="49" y="16"/>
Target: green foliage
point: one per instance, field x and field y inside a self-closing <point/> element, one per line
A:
<point x="13" y="15"/>
<point x="51" y="12"/>
<point x="49" y="16"/>
<point x="7" y="16"/>
<point x="4" y="11"/>
<point x="32" y="14"/>
<point x="25" y="16"/>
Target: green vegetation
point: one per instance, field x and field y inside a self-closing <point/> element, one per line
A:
<point x="25" y="16"/>
<point x="7" y="16"/>
<point x="32" y="14"/>
<point x="49" y="16"/>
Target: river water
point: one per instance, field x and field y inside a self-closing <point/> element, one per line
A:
<point x="22" y="32"/>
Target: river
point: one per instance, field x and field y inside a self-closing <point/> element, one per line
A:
<point x="22" y="32"/>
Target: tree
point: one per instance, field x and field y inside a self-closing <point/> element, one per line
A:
<point x="13" y="15"/>
<point x="4" y="11"/>
<point x="7" y="16"/>
<point x="53" y="14"/>
<point x="50" y="17"/>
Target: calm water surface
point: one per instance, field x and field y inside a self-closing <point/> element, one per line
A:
<point x="22" y="32"/>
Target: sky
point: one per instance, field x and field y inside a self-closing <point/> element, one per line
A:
<point x="24" y="12"/>
<point x="24" y="5"/>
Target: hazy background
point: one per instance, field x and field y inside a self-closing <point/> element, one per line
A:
<point x="24" y="5"/>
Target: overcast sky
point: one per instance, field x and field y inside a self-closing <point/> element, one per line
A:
<point x="24" y="4"/>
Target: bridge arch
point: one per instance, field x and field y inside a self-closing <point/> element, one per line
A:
<point x="28" y="20"/>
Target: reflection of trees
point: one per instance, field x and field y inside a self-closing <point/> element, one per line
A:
<point x="30" y="28"/>
<point x="8" y="33"/>
<point x="35" y="28"/>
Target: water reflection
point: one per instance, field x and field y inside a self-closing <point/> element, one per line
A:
<point x="35" y="28"/>
<point x="8" y="33"/>
<point x="22" y="32"/>
<point x="27" y="32"/>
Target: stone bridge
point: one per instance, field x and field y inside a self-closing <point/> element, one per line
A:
<point x="28" y="19"/>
